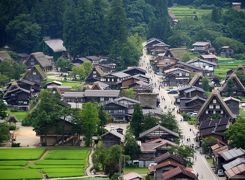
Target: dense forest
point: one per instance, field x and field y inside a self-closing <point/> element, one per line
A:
<point x="88" y="27"/>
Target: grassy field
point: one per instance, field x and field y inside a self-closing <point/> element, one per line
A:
<point x="22" y="163"/>
<point x="184" y="11"/>
<point x="19" y="115"/>
<point x="225" y="64"/>
<point x="142" y="171"/>
<point x="20" y="154"/>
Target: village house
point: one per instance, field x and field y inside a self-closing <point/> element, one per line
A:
<point x="29" y="85"/>
<point x="152" y="149"/>
<point x="100" y="86"/>
<point x="54" y="83"/>
<point x="163" y="60"/>
<point x="155" y="45"/>
<point x="113" y="79"/>
<point x="232" y="87"/>
<point x="207" y="66"/>
<point x="127" y="101"/>
<point x="59" y="89"/>
<point x="39" y="58"/>
<point x="214" y="117"/>
<point x="17" y="97"/>
<point x="196" y="80"/>
<point x="193" y="104"/>
<point x="132" y="71"/>
<point x="61" y="133"/>
<point x="170" y="166"/>
<point x="55" y="47"/>
<point x="118" y="111"/>
<point x="226" y="51"/>
<point x="35" y="74"/>
<point x="189" y="92"/>
<point x="112" y="138"/>
<point x="176" y="77"/>
<point x="99" y="96"/>
<point x="186" y="66"/>
<point x="235" y="169"/>
<point x="223" y="156"/>
<point x="202" y="47"/>
<point x="239" y="69"/>
<point x="158" y="132"/>
<point x="210" y="57"/>
<point x="95" y="75"/>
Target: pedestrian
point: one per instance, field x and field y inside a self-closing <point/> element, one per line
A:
<point x="190" y="129"/>
<point x="197" y="175"/>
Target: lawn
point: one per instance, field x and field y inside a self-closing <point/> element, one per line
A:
<point x="138" y="170"/>
<point x="225" y="64"/>
<point x="21" y="153"/>
<point x="19" y="115"/>
<point x="184" y="11"/>
<point x="56" y="163"/>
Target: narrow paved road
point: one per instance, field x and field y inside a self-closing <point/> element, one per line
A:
<point x="188" y="131"/>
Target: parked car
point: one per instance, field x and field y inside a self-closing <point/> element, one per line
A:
<point x="221" y="172"/>
<point x="173" y="91"/>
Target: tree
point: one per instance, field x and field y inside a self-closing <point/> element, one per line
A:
<point x="117" y="22"/>
<point x="149" y="122"/>
<point x="99" y="157"/>
<point x="48" y="113"/>
<point x="205" y="84"/>
<point x="79" y="71"/>
<point x="216" y="14"/>
<point x="103" y="119"/>
<point x="114" y="160"/>
<point x="90" y="120"/>
<point x="160" y="26"/>
<point x="137" y="118"/>
<point x="130" y="93"/>
<point x="64" y="64"/>
<point x="131" y="148"/>
<point x="207" y="143"/>
<point x="3" y="109"/>
<point x="87" y="68"/>
<point x="168" y="121"/>
<point x="185" y="152"/>
<point x="235" y="133"/>
<point x="4" y="135"/>
<point x="24" y="34"/>
<point x="11" y="69"/>
<point x="178" y="39"/>
<point x="3" y="80"/>
<point x="70" y="30"/>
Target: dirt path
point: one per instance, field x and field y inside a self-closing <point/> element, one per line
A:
<point x="90" y="162"/>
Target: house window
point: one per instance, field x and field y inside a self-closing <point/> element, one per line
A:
<point x="214" y="101"/>
<point x="206" y="111"/>
<point x="221" y="112"/>
<point x="217" y="107"/>
<point x="102" y="99"/>
<point x="94" y="72"/>
<point x="211" y="106"/>
<point x="112" y="80"/>
<point x="187" y="74"/>
<point x="214" y="112"/>
<point x="94" y="75"/>
<point x="180" y="74"/>
<point x="34" y="73"/>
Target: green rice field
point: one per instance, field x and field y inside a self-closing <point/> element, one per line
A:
<point x="184" y="12"/>
<point x="33" y="163"/>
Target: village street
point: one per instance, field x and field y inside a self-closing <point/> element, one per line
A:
<point x="200" y="166"/>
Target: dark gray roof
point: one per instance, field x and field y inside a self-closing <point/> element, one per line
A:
<point x="234" y="163"/>
<point x="43" y="59"/>
<point x="232" y="153"/>
<point x="194" y="88"/>
<point x="115" y="133"/>
<point x="120" y="74"/>
<point x="102" y="93"/>
<point x="158" y="127"/>
<point x="201" y="60"/>
<point x="73" y="94"/>
<point x="127" y="99"/>
<point x="200" y="43"/>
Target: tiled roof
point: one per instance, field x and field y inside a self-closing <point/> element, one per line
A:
<point x="120" y="74"/>
<point x="43" y="59"/>
<point x="196" y="77"/>
<point x="232" y="153"/>
<point x="209" y="56"/>
<point x="231" y="98"/>
<point x="168" y="156"/>
<point x="234" y="163"/>
<point x="115" y="133"/>
<point x="200" y="43"/>
<point x="176" y="69"/>
<point x="236" y="172"/>
<point x="168" y="163"/>
<point x="102" y="93"/>
<point x="176" y="171"/>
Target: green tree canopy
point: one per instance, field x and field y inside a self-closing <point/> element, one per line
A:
<point x="131" y="148"/>
<point x="235" y="133"/>
<point x="137" y="119"/>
